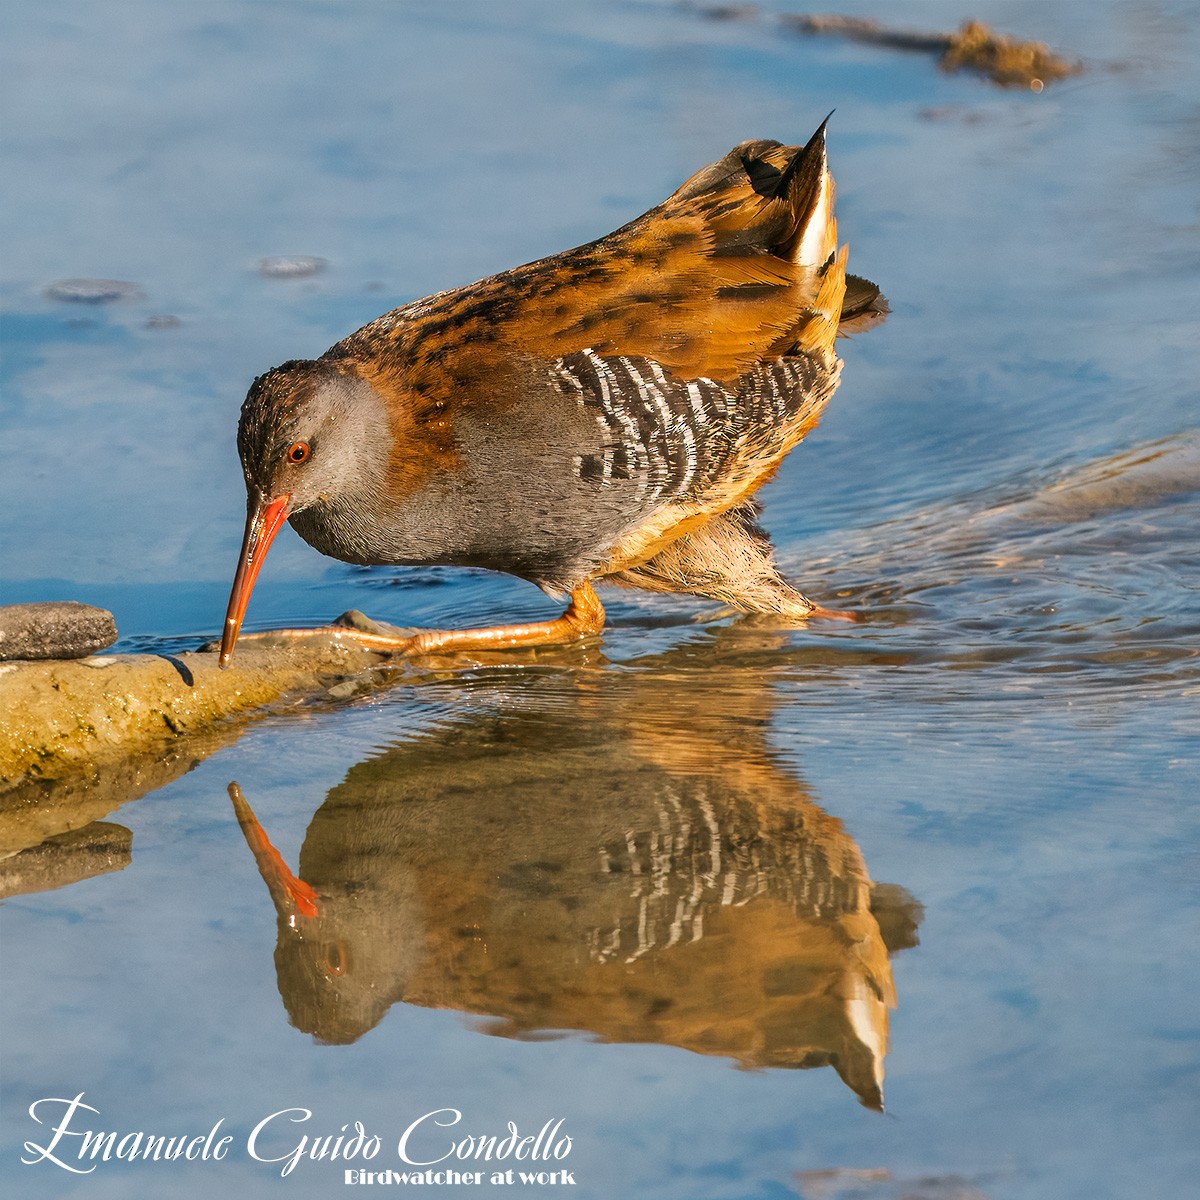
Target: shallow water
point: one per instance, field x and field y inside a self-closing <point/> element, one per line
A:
<point x="703" y="844"/>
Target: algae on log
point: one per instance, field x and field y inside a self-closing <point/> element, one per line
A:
<point x="63" y="718"/>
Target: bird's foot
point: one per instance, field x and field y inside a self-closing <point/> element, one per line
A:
<point x="776" y="597"/>
<point x="832" y="614"/>
<point x="583" y="618"/>
<point x="351" y="627"/>
<point x="780" y="611"/>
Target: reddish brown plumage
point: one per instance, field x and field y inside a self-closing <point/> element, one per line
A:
<point x="573" y="418"/>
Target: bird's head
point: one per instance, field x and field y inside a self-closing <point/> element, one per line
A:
<point x="309" y="433"/>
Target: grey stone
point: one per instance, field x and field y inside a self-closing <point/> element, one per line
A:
<point x="54" y="629"/>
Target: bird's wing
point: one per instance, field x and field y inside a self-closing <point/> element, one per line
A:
<point x="722" y="275"/>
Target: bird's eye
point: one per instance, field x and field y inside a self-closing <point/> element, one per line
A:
<point x="299" y="452"/>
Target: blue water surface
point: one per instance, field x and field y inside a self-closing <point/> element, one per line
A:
<point x="702" y="846"/>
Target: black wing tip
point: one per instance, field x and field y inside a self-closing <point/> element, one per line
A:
<point x="818" y="138"/>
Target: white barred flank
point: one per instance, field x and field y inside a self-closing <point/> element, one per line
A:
<point x="670" y="438"/>
<point x="702" y="856"/>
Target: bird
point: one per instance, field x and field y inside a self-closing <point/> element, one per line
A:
<point x="604" y="414"/>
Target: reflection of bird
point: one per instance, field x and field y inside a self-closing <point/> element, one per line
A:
<point x="605" y="413"/>
<point x="651" y="874"/>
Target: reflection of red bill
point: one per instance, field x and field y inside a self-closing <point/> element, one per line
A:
<point x="290" y="893"/>
<point x="263" y="522"/>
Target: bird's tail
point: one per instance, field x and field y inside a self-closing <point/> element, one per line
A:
<point x="811" y="193"/>
<point x="820" y="329"/>
<point x="812" y="244"/>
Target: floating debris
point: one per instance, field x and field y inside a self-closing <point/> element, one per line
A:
<point x="726" y="12"/>
<point x="291" y="266"/>
<point x="878" y="1183"/>
<point x="1004" y="60"/>
<point x="830" y="1181"/>
<point x="92" y="291"/>
<point x="953" y="112"/>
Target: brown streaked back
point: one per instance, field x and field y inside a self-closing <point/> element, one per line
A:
<point x="723" y="274"/>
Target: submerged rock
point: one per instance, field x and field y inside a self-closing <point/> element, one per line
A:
<point x="54" y="629"/>
<point x="291" y="266"/>
<point x="1008" y="61"/>
<point x="93" y="291"/>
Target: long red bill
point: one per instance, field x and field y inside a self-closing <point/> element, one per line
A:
<point x="263" y="522"/>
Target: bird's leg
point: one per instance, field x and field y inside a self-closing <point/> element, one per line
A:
<point x="730" y="558"/>
<point x="584" y="617"/>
